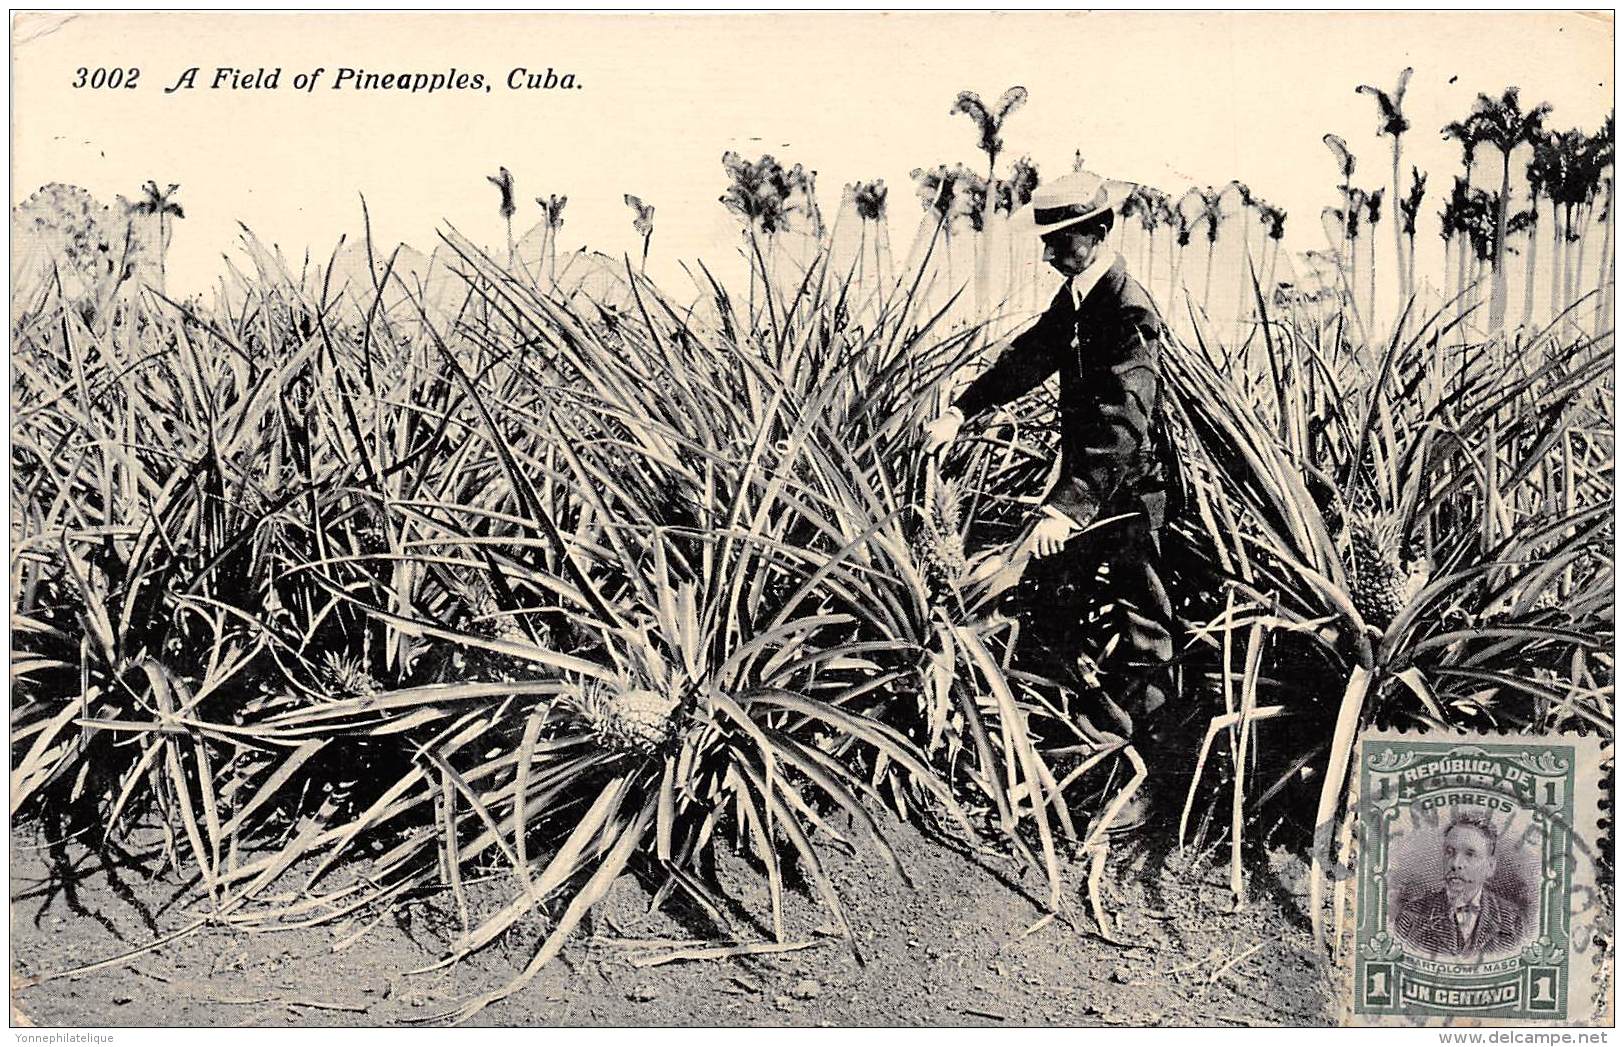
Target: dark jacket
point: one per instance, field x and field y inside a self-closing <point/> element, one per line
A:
<point x="1114" y="448"/>
<point x="1428" y="923"/>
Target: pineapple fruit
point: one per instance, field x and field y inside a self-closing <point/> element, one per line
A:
<point x="348" y="678"/>
<point x="1382" y="584"/>
<point x="634" y="720"/>
<point x="485" y="616"/>
<point x="939" y="544"/>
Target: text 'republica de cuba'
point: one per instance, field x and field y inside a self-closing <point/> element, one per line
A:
<point x="349" y="78"/>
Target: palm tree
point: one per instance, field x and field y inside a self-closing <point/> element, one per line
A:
<point x="1167" y="217"/>
<point x="1009" y="196"/>
<point x="1274" y="221"/>
<point x="162" y="205"/>
<point x="1602" y="148"/>
<point x="1504" y="124"/>
<point x="1212" y="214"/>
<point x="643" y="223"/>
<point x="1466" y="133"/>
<point x="1579" y="230"/>
<point x="1342" y="226"/>
<point x="1409" y="208"/>
<point x="1394" y="123"/>
<point x="1195" y="207"/>
<point x="1457" y="224"/>
<point x="1483" y="229"/>
<point x="1598" y="157"/>
<point x="1346" y="164"/>
<point x="1183" y="226"/>
<point x="1373" y="216"/>
<point x="1568" y="184"/>
<point x="951" y="197"/>
<point x="1543" y="173"/>
<point x="1241" y="199"/>
<point x="759" y="193"/>
<point x="1166" y="220"/>
<point x="1349" y="222"/>
<point x="868" y="198"/>
<point x="989" y="123"/>
<point x="803" y="187"/>
<point x="1151" y="207"/>
<point x="1449" y="227"/>
<point x="553" y="206"/>
<point x="1133" y="204"/>
<point x="506" y="208"/>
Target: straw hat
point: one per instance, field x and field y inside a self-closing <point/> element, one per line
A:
<point x="1075" y="198"/>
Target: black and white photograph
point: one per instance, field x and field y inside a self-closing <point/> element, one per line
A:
<point x="790" y="519"/>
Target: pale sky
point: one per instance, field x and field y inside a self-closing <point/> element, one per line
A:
<point x="1165" y="98"/>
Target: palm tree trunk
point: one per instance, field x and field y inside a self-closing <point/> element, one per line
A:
<point x="1274" y="258"/>
<point x="862" y="258"/>
<point x="1533" y="267"/>
<point x="1404" y="276"/>
<point x="980" y="245"/>
<point x="1447" y="278"/>
<point x="1576" y="286"/>
<point x="1410" y="264"/>
<point x="751" y="263"/>
<point x="882" y="253"/>
<point x="1347" y="248"/>
<point x="1497" y="296"/>
<point x="1351" y="278"/>
<point x="1371" y="265"/>
<point x="1558" y="256"/>
<point x="1568" y="225"/>
<point x="1243" y="277"/>
<point x="163" y="235"/>
<point x="1015" y="300"/>
<point x="1206" y="278"/>
<point x="1605" y="286"/>
<point x="1462" y="247"/>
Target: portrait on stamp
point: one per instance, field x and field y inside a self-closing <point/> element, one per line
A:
<point x="1474" y="898"/>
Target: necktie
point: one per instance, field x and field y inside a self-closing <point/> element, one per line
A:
<point x="1466" y="921"/>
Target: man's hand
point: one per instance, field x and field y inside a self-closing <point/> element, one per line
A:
<point x="1051" y="534"/>
<point x="943" y="430"/>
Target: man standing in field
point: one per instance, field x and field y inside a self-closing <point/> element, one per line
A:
<point x="1097" y="542"/>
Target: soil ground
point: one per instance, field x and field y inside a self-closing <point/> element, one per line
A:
<point x="966" y="945"/>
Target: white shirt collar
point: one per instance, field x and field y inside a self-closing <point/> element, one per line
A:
<point x="1084" y="282"/>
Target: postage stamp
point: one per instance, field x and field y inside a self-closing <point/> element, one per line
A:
<point x="1476" y="896"/>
